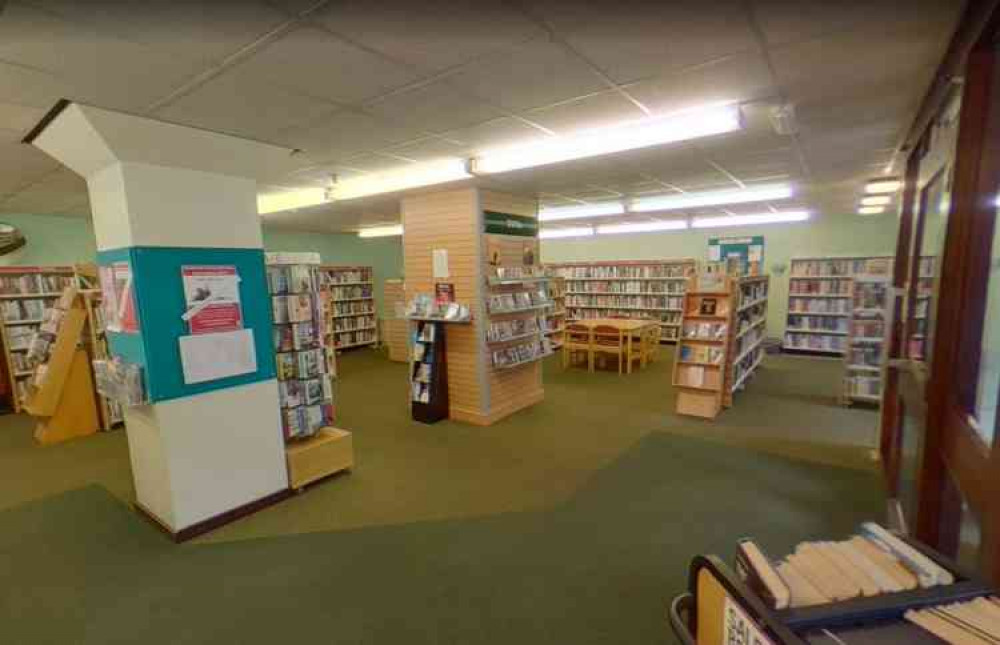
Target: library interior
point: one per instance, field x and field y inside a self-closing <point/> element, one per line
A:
<point x="502" y="321"/>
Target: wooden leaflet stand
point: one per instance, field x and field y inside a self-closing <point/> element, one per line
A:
<point x="64" y="399"/>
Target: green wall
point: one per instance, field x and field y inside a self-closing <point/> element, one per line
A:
<point x="822" y="236"/>
<point x="55" y="239"/>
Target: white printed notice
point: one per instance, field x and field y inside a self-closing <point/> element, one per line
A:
<point x="739" y="629"/>
<point x="208" y="357"/>
<point x="212" y="296"/>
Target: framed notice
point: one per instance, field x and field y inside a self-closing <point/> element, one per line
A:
<point x="212" y="298"/>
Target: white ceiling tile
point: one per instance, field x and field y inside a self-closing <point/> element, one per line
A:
<point x="55" y="192"/>
<point x="314" y="62"/>
<point x="531" y="75"/>
<point x="431" y="34"/>
<point x="208" y="31"/>
<point x="436" y="107"/>
<point x="19" y="118"/>
<point x="637" y="39"/>
<point x="496" y="133"/>
<point x="33" y="88"/>
<point x="370" y="163"/>
<point x="600" y="110"/>
<point x="21" y="165"/>
<point x="344" y="133"/>
<point x="240" y="104"/>
<point x="429" y="148"/>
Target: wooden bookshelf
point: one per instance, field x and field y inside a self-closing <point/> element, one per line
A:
<point x="868" y="330"/>
<point x="701" y="364"/>
<point x="920" y="325"/>
<point x="819" y="301"/>
<point x="351" y="298"/>
<point x="643" y="289"/>
<point x="555" y="318"/>
<point x="747" y="333"/>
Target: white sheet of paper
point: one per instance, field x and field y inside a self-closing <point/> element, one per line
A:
<point x="714" y="253"/>
<point x="441" y="263"/>
<point x="207" y="357"/>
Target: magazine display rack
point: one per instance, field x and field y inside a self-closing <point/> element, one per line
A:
<point x="700" y="365"/>
<point x="429" y="400"/>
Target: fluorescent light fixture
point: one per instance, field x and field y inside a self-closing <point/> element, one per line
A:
<point x="717" y="118"/>
<point x="381" y="231"/>
<point x="583" y="210"/>
<point x="642" y="227"/>
<point x="289" y="199"/>
<point x="749" y="220"/>
<point x="577" y="231"/>
<point x="412" y="176"/>
<point x="871" y="210"/>
<point x="883" y="186"/>
<point x="876" y="200"/>
<point x="769" y="192"/>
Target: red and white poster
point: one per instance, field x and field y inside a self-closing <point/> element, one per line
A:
<point x="212" y="296"/>
<point x="119" y="298"/>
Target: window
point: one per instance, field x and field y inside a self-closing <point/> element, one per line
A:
<point x="988" y="388"/>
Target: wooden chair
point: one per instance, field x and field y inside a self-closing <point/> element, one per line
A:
<point x="577" y="338"/>
<point x="608" y="340"/>
<point x="652" y="343"/>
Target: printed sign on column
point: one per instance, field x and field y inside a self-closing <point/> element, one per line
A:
<point x="125" y="318"/>
<point x="212" y="296"/>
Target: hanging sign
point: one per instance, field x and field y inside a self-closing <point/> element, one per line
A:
<point x="498" y="223"/>
<point x="212" y="298"/>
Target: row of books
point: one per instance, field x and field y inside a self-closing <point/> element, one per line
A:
<point x="745" y="363"/>
<point x="921" y="308"/>
<point x="752" y="292"/>
<point x="351" y="307"/>
<point x="589" y="313"/>
<point x="422" y="365"/>
<point x="817" y="323"/>
<point x="521" y="353"/>
<point x="702" y="354"/>
<point x="349" y="338"/>
<point x="305" y="420"/>
<point x="300" y="365"/>
<point x="841" y="267"/>
<point x="815" y="342"/>
<point x="500" y="330"/>
<point x="295" y="336"/>
<point x="286" y="279"/>
<point x="292" y="308"/>
<point x="705" y="330"/>
<point x="748" y="340"/>
<point x="353" y="292"/>
<point x="818" y="305"/>
<point x="749" y="317"/>
<point x="867" y="328"/>
<point x="33" y="283"/>
<point x="970" y="621"/>
<point x="353" y="323"/>
<point x="19" y="337"/>
<point x="862" y="385"/>
<point x="626" y="302"/>
<point x="821" y="287"/>
<point x="626" y="271"/>
<point x="327" y="277"/>
<point x="871" y="563"/>
<point x="870" y="295"/>
<point x="294" y="392"/>
<point x="505" y="302"/>
<point x="517" y="272"/>
<point x="865" y="355"/>
<point x="625" y="287"/>
<point x="17" y="310"/>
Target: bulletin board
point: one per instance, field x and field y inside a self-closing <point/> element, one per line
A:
<point x="746" y="250"/>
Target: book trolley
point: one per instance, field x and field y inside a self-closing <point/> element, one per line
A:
<point x="720" y="608"/>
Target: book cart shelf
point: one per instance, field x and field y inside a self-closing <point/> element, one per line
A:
<point x="644" y="289"/>
<point x="349" y="290"/>
<point x="867" y="338"/>
<point x="748" y="331"/>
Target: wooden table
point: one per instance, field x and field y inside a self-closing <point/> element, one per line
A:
<point x="631" y="327"/>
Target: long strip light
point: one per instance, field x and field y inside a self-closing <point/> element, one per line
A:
<point x="871" y="210"/>
<point x="769" y="192"/>
<point x="584" y="210"/>
<point x="876" y="200"/>
<point x="651" y="131"/>
<point x="576" y="231"/>
<point x="381" y="231"/>
<point x="642" y="227"/>
<point x="749" y="220"/>
<point x="289" y="199"/>
<point x="411" y="176"/>
<point x="883" y="186"/>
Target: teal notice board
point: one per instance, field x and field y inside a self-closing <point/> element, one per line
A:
<point x="745" y="249"/>
<point x="159" y="294"/>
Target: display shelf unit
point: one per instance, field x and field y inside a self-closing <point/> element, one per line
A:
<point x="918" y="331"/>
<point x="351" y="304"/>
<point x="519" y="305"/>
<point x="646" y="289"/>
<point x="748" y="331"/>
<point x="701" y="363"/>
<point x="868" y="329"/>
<point x="819" y="301"/>
<point x="555" y="319"/>
<point x="428" y="372"/>
<point x="27" y="293"/>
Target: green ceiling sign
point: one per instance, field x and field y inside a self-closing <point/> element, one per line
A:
<point x="507" y="224"/>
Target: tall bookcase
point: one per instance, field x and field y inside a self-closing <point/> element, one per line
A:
<point x="702" y="360"/>
<point x="749" y="329"/>
<point x="819" y="301"/>
<point x="646" y="289"/>
<point x="868" y="331"/>
<point x="922" y="309"/>
<point x="555" y="318"/>
<point x="518" y="303"/>
<point x="351" y="298"/>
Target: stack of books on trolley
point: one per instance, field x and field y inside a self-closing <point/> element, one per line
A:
<point x="873" y="587"/>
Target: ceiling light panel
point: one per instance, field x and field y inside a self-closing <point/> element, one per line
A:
<point x="582" y="210"/>
<point x="883" y="186"/>
<point x="381" y="231"/>
<point x="401" y="178"/>
<point x="642" y="227"/>
<point x="287" y="200"/>
<point x="641" y="133"/>
<point x="681" y="201"/>
<point x="555" y="233"/>
<point x="750" y="220"/>
<point x="871" y="210"/>
<point x="876" y="200"/>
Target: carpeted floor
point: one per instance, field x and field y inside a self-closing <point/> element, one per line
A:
<point x="570" y="522"/>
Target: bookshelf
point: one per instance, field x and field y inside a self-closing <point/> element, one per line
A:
<point x="748" y="331"/>
<point x="701" y="361"/>
<point x="555" y="319"/>
<point x="819" y="301"/>
<point x="27" y="293"/>
<point x="919" y="329"/>
<point x="518" y="304"/>
<point x="352" y="304"/>
<point x="868" y="329"/>
<point x="428" y="372"/>
<point x="645" y="289"/>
